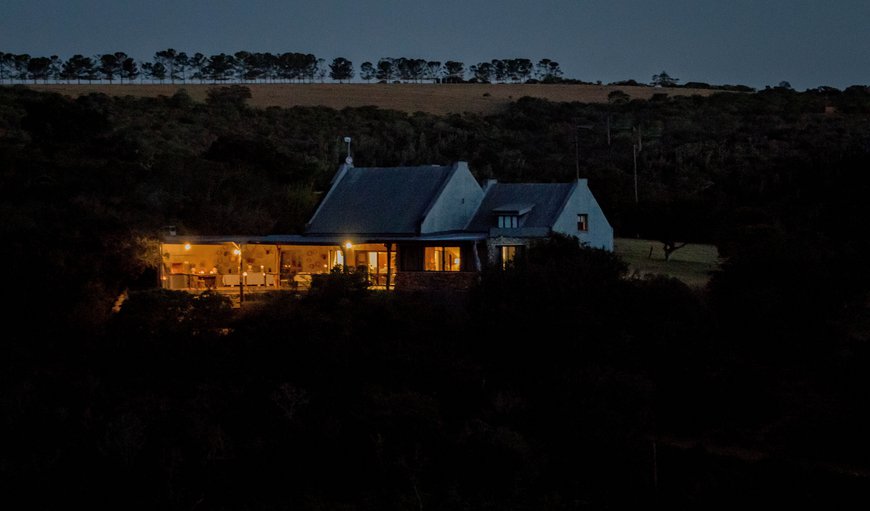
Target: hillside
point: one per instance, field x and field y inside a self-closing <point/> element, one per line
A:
<point x="429" y="98"/>
<point x="751" y="385"/>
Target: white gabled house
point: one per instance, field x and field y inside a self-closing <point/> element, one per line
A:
<point x="407" y="227"/>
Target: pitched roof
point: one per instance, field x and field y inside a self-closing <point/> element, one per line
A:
<point x="383" y="200"/>
<point x="548" y="200"/>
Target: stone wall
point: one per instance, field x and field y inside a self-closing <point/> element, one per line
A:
<point x="435" y="280"/>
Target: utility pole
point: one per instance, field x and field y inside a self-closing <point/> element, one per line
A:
<point x="577" y="145"/>
<point x="639" y="139"/>
<point x="576" y="153"/>
<point x="635" y="150"/>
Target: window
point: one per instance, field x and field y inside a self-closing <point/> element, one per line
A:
<point x="582" y="222"/>
<point x="336" y="258"/>
<point x="509" y="253"/>
<point x="443" y="259"/>
<point x="508" y="221"/>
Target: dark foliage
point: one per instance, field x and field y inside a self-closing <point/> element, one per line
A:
<point x="545" y="387"/>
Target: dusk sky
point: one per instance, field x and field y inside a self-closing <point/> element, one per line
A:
<point x="759" y="42"/>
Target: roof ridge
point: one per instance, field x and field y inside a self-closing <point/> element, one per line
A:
<point x="339" y="176"/>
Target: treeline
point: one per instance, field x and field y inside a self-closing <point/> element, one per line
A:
<point x="166" y="65"/>
<point x="252" y="67"/>
<point x="243" y="66"/>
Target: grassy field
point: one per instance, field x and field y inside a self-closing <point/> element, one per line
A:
<point x="430" y="98"/>
<point x="692" y="264"/>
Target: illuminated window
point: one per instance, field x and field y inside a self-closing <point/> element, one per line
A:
<point x="509" y="253"/>
<point x="443" y="259"/>
<point x="336" y="258"/>
<point x="508" y="221"/>
<point x="582" y="222"/>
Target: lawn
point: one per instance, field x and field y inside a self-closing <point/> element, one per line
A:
<point x="691" y="264"/>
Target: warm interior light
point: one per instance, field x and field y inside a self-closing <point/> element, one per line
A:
<point x="187" y="246"/>
<point x="348" y="245"/>
<point x="237" y="252"/>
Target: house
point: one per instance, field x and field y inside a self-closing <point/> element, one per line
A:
<point x="418" y="227"/>
<point x="513" y="214"/>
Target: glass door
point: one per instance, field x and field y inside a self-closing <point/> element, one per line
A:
<point x="375" y="265"/>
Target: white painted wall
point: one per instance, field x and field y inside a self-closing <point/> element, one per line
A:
<point x="600" y="233"/>
<point x="457" y="203"/>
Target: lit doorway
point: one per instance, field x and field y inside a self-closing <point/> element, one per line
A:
<point x="374" y="263"/>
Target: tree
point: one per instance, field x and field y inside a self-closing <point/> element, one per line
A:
<point x="267" y="65"/>
<point x="120" y="57"/>
<point x="55" y="67"/>
<point x="20" y="63"/>
<point x="156" y="71"/>
<point x="341" y="69"/>
<point x="244" y="69"/>
<point x="547" y="70"/>
<point x="663" y="79"/>
<point x="292" y="66"/>
<point x="416" y="69"/>
<point x="182" y="62"/>
<point x="234" y="96"/>
<point x="129" y="69"/>
<point x="256" y="66"/>
<point x="311" y="66"/>
<point x="482" y="72"/>
<point x="433" y="70"/>
<point x="39" y="68"/>
<point x="78" y="67"/>
<point x="455" y="71"/>
<point x="402" y="67"/>
<point x="6" y="60"/>
<point x="220" y="67"/>
<point x="367" y="71"/>
<point x="386" y="70"/>
<point x="167" y="59"/>
<point x="198" y="63"/>
<point x="499" y="70"/>
<point x="522" y="69"/>
<point x="110" y="66"/>
<point x="297" y="66"/>
<point x="618" y="97"/>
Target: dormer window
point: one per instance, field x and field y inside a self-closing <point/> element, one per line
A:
<point x="511" y="216"/>
<point x="508" y="221"/>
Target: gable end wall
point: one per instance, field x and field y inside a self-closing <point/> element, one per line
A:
<point x="456" y="205"/>
<point x="600" y="233"/>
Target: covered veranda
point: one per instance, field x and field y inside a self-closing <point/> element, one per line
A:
<point x="239" y="265"/>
